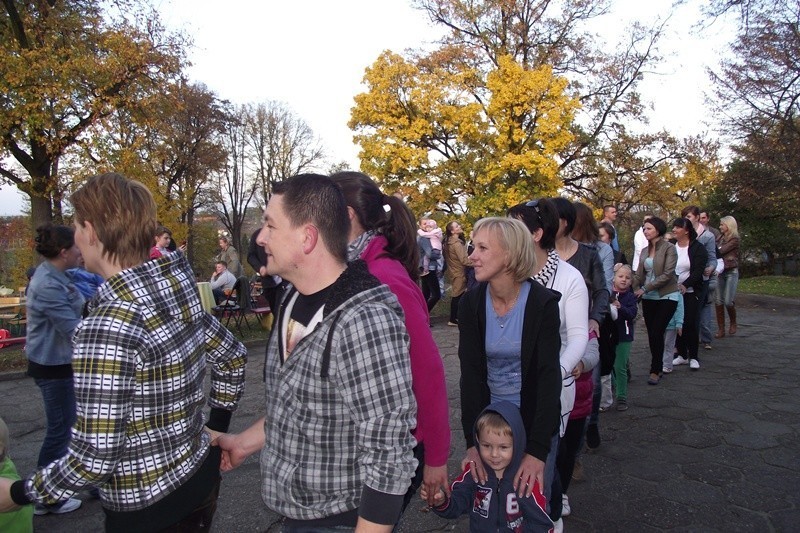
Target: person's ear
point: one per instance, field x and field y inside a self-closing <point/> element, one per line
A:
<point x="311" y="237"/>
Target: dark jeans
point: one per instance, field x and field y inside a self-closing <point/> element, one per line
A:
<point x="690" y="337"/>
<point x="219" y="295"/>
<point x="59" y="410"/>
<point x="657" y="314"/>
<point x="200" y="519"/>
<point x="430" y="289"/>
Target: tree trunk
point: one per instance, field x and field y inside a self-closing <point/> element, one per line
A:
<point x="41" y="210"/>
<point x="190" y="236"/>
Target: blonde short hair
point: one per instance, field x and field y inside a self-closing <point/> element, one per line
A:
<point x="494" y="422"/>
<point x="515" y="238"/>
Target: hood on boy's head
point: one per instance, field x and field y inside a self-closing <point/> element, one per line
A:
<point x="510" y="413"/>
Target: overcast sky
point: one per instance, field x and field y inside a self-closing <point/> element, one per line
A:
<point x="311" y="54"/>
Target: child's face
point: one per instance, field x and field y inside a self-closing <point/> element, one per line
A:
<point x="496" y="450"/>
<point x="622" y="279"/>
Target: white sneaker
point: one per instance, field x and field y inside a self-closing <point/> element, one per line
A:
<point x="694" y="364"/>
<point x="666" y="370"/>
<point x="67" y="507"/>
<point x="565" y="508"/>
<point x="558" y="526"/>
<point x="680" y="361"/>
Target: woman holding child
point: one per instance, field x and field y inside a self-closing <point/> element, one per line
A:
<point x="509" y="346"/>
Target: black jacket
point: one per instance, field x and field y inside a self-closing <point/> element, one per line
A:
<point x="540" y="397"/>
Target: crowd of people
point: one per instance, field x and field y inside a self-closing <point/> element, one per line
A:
<point x="356" y="419"/>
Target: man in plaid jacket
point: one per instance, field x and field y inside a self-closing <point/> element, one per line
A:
<point x="336" y="443"/>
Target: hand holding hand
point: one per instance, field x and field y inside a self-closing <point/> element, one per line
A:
<point x="434" y="483"/>
<point x="232" y="453"/>
<point x="578" y="370"/>
<point x="434" y="499"/>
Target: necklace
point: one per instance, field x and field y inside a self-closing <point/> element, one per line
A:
<point x="503" y="318"/>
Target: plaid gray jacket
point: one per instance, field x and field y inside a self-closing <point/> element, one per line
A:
<point x="340" y="410"/>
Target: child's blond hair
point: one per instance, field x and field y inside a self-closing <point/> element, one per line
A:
<point x="619" y="266"/>
<point x="493" y="422"/>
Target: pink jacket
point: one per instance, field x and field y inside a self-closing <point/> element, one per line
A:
<point x="583" y="397"/>
<point x="427" y="370"/>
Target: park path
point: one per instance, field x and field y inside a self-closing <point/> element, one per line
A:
<point x="713" y="450"/>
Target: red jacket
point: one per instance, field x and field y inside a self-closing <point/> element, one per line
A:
<point x="427" y="370"/>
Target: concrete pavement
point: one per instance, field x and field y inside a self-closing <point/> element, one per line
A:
<point x="713" y="450"/>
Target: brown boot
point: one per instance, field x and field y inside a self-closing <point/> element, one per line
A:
<point x="732" y="314"/>
<point x="720" y="322"/>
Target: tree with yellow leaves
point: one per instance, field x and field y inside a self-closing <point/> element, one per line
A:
<point x="64" y="66"/>
<point x="519" y="100"/>
<point x="424" y="132"/>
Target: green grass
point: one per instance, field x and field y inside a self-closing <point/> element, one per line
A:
<point x="786" y="286"/>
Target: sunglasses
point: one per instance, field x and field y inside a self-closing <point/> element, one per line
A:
<point x="535" y="205"/>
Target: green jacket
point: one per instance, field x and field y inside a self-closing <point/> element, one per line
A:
<point x="19" y="521"/>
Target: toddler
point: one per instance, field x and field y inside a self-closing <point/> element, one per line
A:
<point x="429" y="230"/>
<point x="624" y="302"/>
<point x="494" y="505"/>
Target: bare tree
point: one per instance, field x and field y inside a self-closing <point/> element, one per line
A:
<point x="236" y="184"/>
<point x="281" y="144"/>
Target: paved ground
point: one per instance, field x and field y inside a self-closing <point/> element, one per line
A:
<point x="713" y="450"/>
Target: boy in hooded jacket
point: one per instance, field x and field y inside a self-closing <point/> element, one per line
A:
<point x="494" y="505"/>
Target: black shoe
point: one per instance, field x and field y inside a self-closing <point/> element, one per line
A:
<point x="593" y="436"/>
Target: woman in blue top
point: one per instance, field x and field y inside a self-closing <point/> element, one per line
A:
<point x="54" y="310"/>
<point x="657" y="285"/>
<point x="509" y="346"/>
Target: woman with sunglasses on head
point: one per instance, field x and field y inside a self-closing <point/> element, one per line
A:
<point x="578" y="354"/>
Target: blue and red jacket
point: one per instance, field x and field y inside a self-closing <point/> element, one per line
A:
<point x="494" y="506"/>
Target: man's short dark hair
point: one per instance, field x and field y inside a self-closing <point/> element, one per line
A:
<point x="223" y="263"/>
<point x="316" y="199"/>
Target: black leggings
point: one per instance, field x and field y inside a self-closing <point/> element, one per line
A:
<point x="690" y="337"/>
<point x="657" y="314"/>
<point x="454" y="308"/>
<point x="430" y="289"/>
<point x="568" y="449"/>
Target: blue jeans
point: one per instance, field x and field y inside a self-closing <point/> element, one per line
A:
<point x="59" y="410"/>
<point x="726" y="287"/>
<point x="706" y="333"/>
